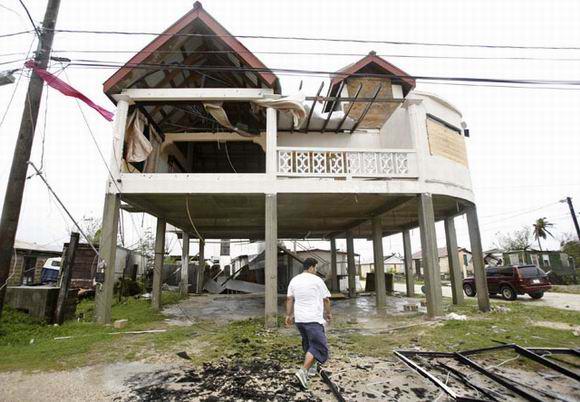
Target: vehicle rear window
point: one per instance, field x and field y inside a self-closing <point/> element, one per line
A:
<point x="506" y="271"/>
<point x="55" y="264"/>
<point x="531" y="272"/>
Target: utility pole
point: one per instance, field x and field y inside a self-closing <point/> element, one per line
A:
<point x="17" y="178"/>
<point x="65" y="277"/>
<point x="574" y="217"/>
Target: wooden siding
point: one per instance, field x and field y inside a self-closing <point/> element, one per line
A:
<point x="446" y="142"/>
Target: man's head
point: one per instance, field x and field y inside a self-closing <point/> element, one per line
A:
<point x="309" y="264"/>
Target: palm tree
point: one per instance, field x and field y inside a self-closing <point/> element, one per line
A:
<point x="541" y="230"/>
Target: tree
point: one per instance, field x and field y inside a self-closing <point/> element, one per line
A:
<point x="541" y="230"/>
<point x="571" y="246"/>
<point x="92" y="228"/>
<point x="520" y="239"/>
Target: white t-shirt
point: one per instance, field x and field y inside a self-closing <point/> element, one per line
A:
<point x="308" y="291"/>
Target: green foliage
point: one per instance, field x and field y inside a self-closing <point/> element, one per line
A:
<point x="127" y="287"/>
<point x="572" y="248"/>
<point x="541" y="230"/>
<point x="28" y="344"/>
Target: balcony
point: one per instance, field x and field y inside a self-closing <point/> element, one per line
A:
<point x="346" y="163"/>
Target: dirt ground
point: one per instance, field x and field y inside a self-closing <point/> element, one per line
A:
<point x="358" y="376"/>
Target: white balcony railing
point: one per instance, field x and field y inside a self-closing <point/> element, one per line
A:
<point x="340" y="162"/>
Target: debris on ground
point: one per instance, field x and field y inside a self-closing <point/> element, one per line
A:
<point x="500" y="309"/>
<point x="119" y="324"/>
<point x="456" y="317"/>
<point x="225" y="380"/>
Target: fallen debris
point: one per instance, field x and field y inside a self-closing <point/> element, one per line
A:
<point x="258" y="380"/>
<point x="489" y="374"/>
<point x="119" y="324"/>
<point x="456" y="317"/>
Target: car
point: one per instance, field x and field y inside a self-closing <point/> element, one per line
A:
<point x="50" y="270"/>
<point x="511" y="281"/>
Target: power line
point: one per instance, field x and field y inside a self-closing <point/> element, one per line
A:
<point x="9" y="35"/>
<point x="325" y="54"/>
<point x="312" y="39"/>
<point x="30" y="18"/>
<point x="229" y="69"/>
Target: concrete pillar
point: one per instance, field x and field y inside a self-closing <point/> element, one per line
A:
<point x="333" y="267"/>
<point x="200" y="272"/>
<point x="271" y="143"/>
<point x="455" y="271"/>
<point x="351" y="267"/>
<point x="158" y="264"/>
<point x="271" y="262"/>
<point x="477" y="258"/>
<point x="379" y="260"/>
<point x="108" y="253"/>
<point x="408" y="257"/>
<point x="184" y="283"/>
<point x="430" y="257"/>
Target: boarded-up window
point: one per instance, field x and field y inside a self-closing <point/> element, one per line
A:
<point x="446" y="141"/>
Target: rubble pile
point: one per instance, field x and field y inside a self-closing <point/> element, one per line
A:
<point x="225" y="380"/>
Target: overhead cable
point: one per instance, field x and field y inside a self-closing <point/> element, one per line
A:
<point x="314" y="39"/>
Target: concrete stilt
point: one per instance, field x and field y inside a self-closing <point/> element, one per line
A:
<point x="333" y="267"/>
<point x="455" y="271"/>
<point x="477" y="258"/>
<point x="351" y="266"/>
<point x="108" y="253"/>
<point x="271" y="263"/>
<point x="199" y="273"/>
<point x="158" y="264"/>
<point x="408" y="257"/>
<point x="379" y="262"/>
<point x="430" y="257"/>
<point x="184" y="283"/>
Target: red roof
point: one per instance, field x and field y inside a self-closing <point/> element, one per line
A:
<point x="407" y="81"/>
<point x="196" y="14"/>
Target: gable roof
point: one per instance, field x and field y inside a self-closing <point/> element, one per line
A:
<point x="441" y="251"/>
<point x="372" y="61"/>
<point x="186" y="25"/>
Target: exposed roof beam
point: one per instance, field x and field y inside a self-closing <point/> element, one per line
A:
<point x="364" y="113"/>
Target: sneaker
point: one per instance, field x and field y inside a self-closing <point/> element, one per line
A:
<point x="313" y="370"/>
<point x="302" y="377"/>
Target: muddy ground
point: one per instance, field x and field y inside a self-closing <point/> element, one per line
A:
<point x="270" y="377"/>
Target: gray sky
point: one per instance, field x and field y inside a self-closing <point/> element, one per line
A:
<point x="524" y="147"/>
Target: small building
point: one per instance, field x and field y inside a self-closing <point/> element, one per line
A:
<point x="465" y="260"/>
<point x="27" y="262"/>
<point x="558" y="262"/>
<point x="128" y="263"/>
<point x="394" y="264"/>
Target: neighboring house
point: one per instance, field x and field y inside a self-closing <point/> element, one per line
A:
<point x="555" y="261"/>
<point x="464" y="260"/>
<point x="128" y="263"/>
<point x="27" y="261"/>
<point x="393" y="264"/>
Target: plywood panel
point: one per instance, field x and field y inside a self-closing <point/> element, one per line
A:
<point x="379" y="112"/>
<point x="446" y="142"/>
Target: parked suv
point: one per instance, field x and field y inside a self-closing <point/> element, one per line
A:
<point x="512" y="281"/>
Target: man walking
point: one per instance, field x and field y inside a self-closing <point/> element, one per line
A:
<point x="308" y="305"/>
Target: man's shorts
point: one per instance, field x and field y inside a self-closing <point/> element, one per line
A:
<point x="314" y="340"/>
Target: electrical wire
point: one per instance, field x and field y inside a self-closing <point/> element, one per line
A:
<point x="229" y="69"/>
<point x="39" y="174"/>
<point x="15" y="87"/>
<point x="191" y="220"/>
<point x="9" y="35"/>
<point x="313" y="39"/>
<point x="324" y="54"/>
<point x="30" y="18"/>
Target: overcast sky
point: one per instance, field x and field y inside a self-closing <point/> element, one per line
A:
<point x="524" y="147"/>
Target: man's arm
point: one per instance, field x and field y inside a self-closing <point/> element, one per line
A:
<point x="327" y="312"/>
<point x="289" y="310"/>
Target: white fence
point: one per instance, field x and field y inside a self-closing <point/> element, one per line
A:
<point x="337" y="162"/>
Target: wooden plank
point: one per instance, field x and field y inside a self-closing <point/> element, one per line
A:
<point x="195" y="94"/>
<point x="65" y="277"/>
<point x="446" y="142"/>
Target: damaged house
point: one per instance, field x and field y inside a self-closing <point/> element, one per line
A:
<point x="207" y="140"/>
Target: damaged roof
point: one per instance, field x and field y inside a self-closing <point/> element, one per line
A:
<point x="196" y="39"/>
<point x="374" y="64"/>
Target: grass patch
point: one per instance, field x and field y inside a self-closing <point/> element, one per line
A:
<point x="571" y="289"/>
<point x="27" y="344"/>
